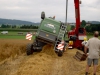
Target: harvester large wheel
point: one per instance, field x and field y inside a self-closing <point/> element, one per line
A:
<point x="60" y="53"/>
<point x="29" y="49"/>
<point x="42" y="15"/>
<point x="38" y="46"/>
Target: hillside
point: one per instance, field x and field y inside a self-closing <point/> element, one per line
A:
<point x="20" y="22"/>
<point x="94" y="22"/>
<point x="16" y="22"/>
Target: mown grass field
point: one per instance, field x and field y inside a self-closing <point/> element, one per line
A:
<point x="12" y="37"/>
<point x="15" y="35"/>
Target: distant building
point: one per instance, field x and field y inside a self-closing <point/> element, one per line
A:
<point x="4" y="32"/>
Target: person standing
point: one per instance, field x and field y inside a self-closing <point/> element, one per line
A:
<point x="84" y="43"/>
<point x="94" y="47"/>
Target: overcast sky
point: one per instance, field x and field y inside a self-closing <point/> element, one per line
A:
<point x="30" y="10"/>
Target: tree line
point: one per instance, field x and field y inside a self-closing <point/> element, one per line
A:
<point x="19" y="26"/>
<point x="88" y="26"/>
<point x="93" y="27"/>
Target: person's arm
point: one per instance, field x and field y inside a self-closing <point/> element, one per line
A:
<point x="85" y="49"/>
<point x="82" y="43"/>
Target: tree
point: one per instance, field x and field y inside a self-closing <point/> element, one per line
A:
<point x="72" y="27"/>
<point x="83" y="23"/>
<point x="3" y="26"/>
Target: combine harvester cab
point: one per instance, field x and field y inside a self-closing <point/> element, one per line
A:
<point x="50" y="32"/>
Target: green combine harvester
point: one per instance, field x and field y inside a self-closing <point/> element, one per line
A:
<point x="50" y="32"/>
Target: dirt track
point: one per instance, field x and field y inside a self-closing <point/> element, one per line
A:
<point x="45" y="62"/>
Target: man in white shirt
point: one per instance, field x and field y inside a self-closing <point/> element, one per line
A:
<point x="94" y="47"/>
<point x="84" y="43"/>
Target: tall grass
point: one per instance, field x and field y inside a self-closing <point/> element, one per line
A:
<point x="10" y="48"/>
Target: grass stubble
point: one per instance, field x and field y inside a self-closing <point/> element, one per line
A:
<point x="14" y="61"/>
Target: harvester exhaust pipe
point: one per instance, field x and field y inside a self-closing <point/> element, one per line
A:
<point x="42" y="15"/>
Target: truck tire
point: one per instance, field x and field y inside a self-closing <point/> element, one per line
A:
<point x="60" y="53"/>
<point x="42" y="15"/>
<point x="29" y="49"/>
<point x="38" y="45"/>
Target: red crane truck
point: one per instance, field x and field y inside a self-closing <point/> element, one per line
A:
<point x="76" y="36"/>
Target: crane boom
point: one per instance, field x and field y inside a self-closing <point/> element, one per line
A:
<point x="77" y="15"/>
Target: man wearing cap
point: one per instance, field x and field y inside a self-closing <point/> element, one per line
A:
<point x="94" y="47"/>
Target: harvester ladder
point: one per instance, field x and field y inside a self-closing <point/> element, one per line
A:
<point x="60" y="36"/>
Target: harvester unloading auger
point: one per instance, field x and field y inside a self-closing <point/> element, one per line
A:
<point x="50" y="32"/>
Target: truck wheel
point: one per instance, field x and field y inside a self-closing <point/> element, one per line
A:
<point x="29" y="49"/>
<point x="38" y="46"/>
<point x="42" y="15"/>
<point x="60" y="53"/>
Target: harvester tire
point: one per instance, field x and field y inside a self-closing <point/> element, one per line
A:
<point x="42" y="15"/>
<point x="60" y="53"/>
<point x="29" y="49"/>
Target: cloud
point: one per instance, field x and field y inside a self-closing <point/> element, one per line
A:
<point x="90" y="10"/>
<point x="30" y="10"/>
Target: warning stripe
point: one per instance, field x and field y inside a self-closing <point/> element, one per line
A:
<point x="60" y="46"/>
<point x="29" y="36"/>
